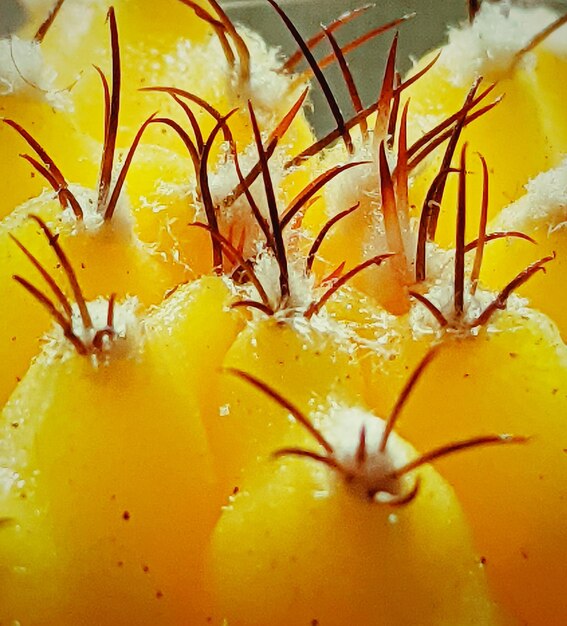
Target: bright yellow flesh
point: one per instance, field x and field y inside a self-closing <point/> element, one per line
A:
<point x="510" y="379"/>
<point x="109" y="494"/>
<point x="518" y="137"/>
<point x="108" y="261"/>
<point x="295" y="547"/>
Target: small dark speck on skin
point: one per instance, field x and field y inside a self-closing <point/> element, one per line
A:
<point x="513" y="355"/>
<point x="83" y="266"/>
<point x="466" y="375"/>
<point x="145" y="568"/>
<point x="14" y="338"/>
<point x="483" y="560"/>
<point x="554" y="391"/>
<point x="565" y="450"/>
<point x="126" y="516"/>
<point x="159" y="595"/>
<point x="120" y="564"/>
<point x="235" y="490"/>
<point x="16" y="425"/>
<point x="314" y="622"/>
<point x="524" y="554"/>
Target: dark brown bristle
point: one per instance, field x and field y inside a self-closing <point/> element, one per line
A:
<point x="307" y="454"/>
<point x="540" y="37"/>
<point x="57" y="292"/>
<point x="277" y="229"/>
<point x="392" y="228"/>
<point x="348" y="78"/>
<point x="448" y="133"/>
<point x="361" y="452"/>
<point x="481" y="241"/>
<point x="117" y="189"/>
<point x="69" y="271"/>
<point x="441" y="319"/>
<point x="201" y="102"/>
<point x="275" y="136"/>
<point x="445" y="124"/>
<point x="110" y="311"/>
<point x="46" y="25"/>
<point x="386" y="93"/>
<point x="401" y="172"/>
<point x="447" y="158"/>
<point x="415" y="77"/>
<point x="319" y="76"/>
<point x="237" y="258"/>
<point x="107" y="332"/>
<point x="499" y="235"/>
<point x="64" y="323"/>
<point x="193" y="151"/>
<point x="499" y="303"/>
<point x="285" y="404"/>
<point x="356" y="120"/>
<point x="392" y="122"/>
<point x="404" y="395"/>
<point x="192" y="121"/>
<point x="218" y="27"/>
<point x="316" y="306"/>
<point x="457" y="446"/>
<point x="206" y="196"/>
<point x="50" y="171"/>
<point x="252" y="304"/>
<point x="459" y="277"/>
<point x="359" y="41"/>
<point x="342" y="20"/>
<point x="312" y="188"/>
<point x="260" y="219"/>
<point x="111" y="115"/>
<point x="323" y="233"/>
<point x="65" y="195"/>
<point x="335" y="274"/>
<point x="474" y="8"/>
<point x="429" y="207"/>
<point x="239" y="43"/>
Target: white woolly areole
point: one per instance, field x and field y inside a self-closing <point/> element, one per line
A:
<point x="93" y="220"/>
<point x="237" y="221"/>
<point x="74" y="20"/>
<point x="301" y="286"/>
<point x="341" y="426"/>
<point x="488" y="46"/>
<point x="271" y="92"/>
<point x="126" y="329"/>
<point x="441" y="292"/>
<point x="24" y="70"/>
<point x="543" y="206"/>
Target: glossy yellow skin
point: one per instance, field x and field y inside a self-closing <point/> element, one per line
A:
<point x="118" y="504"/>
<point x="304" y="365"/>
<point x="505" y="259"/>
<point x="295" y="546"/>
<point x="529" y="103"/>
<point x="107" y="261"/>
<point x="512" y="379"/>
<point x="48" y="126"/>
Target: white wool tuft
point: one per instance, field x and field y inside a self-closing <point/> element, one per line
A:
<point x="125" y="341"/>
<point x="488" y="46"/>
<point x="301" y="286"/>
<point x="341" y="426"/>
<point x="441" y="294"/>
<point x="544" y="204"/>
<point x="24" y="70"/>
